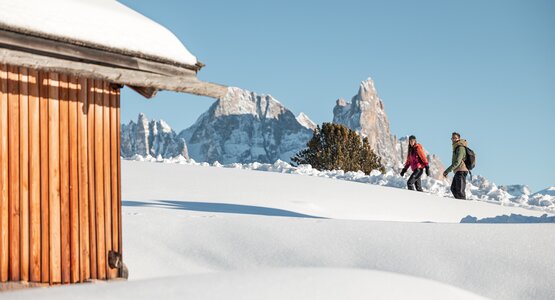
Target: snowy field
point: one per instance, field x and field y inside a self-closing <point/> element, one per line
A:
<point x="478" y="187"/>
<point x="204" y="232"/>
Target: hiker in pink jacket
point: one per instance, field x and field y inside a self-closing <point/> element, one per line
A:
<point x="417" y="161"/>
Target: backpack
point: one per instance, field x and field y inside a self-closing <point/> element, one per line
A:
<point x="469" y="158"/>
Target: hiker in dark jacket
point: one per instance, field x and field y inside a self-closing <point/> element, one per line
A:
<point x="417" y="161"/>
<point x="458" y="166"/>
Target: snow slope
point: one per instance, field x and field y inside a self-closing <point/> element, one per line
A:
<point x="267" y="284"/>
<point x="213" y="233"/>
<point x="477" y="188"/>
<point x="309" y="196"/>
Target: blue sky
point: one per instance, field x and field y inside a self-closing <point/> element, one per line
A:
<point x="483" y="68"/>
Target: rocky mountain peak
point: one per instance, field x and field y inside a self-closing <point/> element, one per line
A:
<point x="162" y="126"/>
<point x="154" y="138"/>
<point x="367" y="91"/>
<point x="366" y="115"/>
<point x="242" y="102"/>
<point x="341" y="102"/>
<point x="304" y="120"/>
<point x="245" y="127"/>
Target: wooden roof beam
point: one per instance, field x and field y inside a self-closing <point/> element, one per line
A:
<point x="147" y="92"/>
<point x="186" y="81"/>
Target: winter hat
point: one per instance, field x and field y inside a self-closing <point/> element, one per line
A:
<point x="412" y="137"/>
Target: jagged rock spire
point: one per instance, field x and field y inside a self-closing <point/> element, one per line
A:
<point x="366" y="114"/>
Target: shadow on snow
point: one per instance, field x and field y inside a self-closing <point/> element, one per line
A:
<point x="219" y="208"/>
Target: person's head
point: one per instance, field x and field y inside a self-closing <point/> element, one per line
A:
<point x="455" y="137"/>
<point x="412" y="140"/>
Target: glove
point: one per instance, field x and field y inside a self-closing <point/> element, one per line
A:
<point x="444" y="174"/>
<point x="403" y="171"/>
<point x="428" y="171"/>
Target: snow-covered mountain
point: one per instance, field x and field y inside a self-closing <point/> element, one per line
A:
<point x="154" y="138"/>
<point x="304" y="120"/>
<point x="245" y="127"/>
<point x="550" y="191"/>
<point x="366" y="114"/>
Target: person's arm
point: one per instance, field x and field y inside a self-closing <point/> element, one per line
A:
<point x="422" y="154"/>
<point x="407" y="162"/>
<point x="457" y="161"/>
<point x="406" y="166"/>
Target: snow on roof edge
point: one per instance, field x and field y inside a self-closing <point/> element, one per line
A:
<point x="100" y="47"/>
<point x="119" y="36"/>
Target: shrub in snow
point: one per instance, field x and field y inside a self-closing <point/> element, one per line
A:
<point x="336" y="147"/>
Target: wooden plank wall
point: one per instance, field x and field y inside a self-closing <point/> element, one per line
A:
<point x="60" y="189"/>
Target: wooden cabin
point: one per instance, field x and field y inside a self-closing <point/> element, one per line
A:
<point x="62" y="65"/>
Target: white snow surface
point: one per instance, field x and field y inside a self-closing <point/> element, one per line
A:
<point x="478" y="188"/>
<point x="98" y="23"/>
<point x="267" y="284"/>
<point x="195" y="231"/>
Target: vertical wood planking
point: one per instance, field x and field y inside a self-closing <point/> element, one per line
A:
<point x="13" y="170"/>
<point x="73" y="182"/>
<point x="34" y="178"/>
<point x="64" y="177"/>
<point x="4" y="205"/>
<point x="118" y="178"/>
<point x="60" y="170"/>
<point x="44" y="174"/>
<point x="54" y="178"/>
<point x="107" y="175"/>
<point x="82" y="141"/>
<point x="114" y="156"/>
<point x="92" y="176"/>
<point x="24" y="172"/>
<point x="99" y="172"/>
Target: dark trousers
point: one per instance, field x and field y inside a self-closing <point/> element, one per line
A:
<point x="414" y="179"/>
<point x="458" y="185"/>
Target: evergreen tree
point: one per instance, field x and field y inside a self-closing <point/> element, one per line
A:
<point x="336" y="147"/>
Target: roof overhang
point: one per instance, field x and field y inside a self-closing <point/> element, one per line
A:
<point x="142" y="75"/>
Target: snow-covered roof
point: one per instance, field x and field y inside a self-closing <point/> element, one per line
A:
<point x="101" y="24"/>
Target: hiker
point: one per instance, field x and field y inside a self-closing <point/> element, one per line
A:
<point x="416" y="159"/>
<point x="458" y="166"/>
